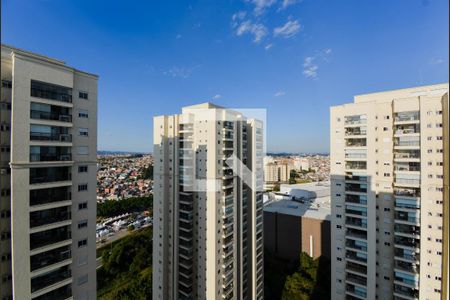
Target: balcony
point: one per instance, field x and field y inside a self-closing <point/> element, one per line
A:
<point x="50" y="153"/>
<point x="358" y="291"/>
<point x="356" y="210"/>
<point x="405" y="203"/>
<point x="355" y="142"/>
<point x="407" y="192"/>
<point x="355" y="165"/>
<point x="407" y="141"/>
<point x="407" y="242"/>
<point x="356" y="233"/>
<point x="49" y="216"/>
<point x="350" y="266"/>
<point x="357" y="199"/>
<point x="411" y="255"/>
<point x="43" y="136"/>
<point x="406" y="291"/>
<point x="355" y="120"/>
<point x="355" y="187"/>
<point x="352" y="177"/>
<point x="358" y="245"/>
<point x="407" y="266"/>
<point x="407" y="167"/>
<point x="62" y="293"/>
<point x="49" y="278"/>
<point x="48" y="258"/>
<point x="411" y="280"/>
<point x="407" y="116"/>
<point x="356" y="279"/>
<point x="48" y="237"/>
<point x="49" y="174"/>
<point x="50" y="91"/>
<point x="40" y="111"/>
<point x="407" y="229"/>
<point x="400" y="130"/>
<point x="357" y="256"/>
<point x="351" y="131"/>
<point x="410" y="217"/>
<point x="50" y="195"/>
<point x="356" y="222"/>
<point x="404" y="155"/>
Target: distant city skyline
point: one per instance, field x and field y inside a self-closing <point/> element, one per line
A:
<point x="293" y="58"/>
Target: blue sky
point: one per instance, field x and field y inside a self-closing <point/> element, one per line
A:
<point x="294" y="58"/>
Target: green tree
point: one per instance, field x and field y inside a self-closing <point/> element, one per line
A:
<point x="114" y="208"/>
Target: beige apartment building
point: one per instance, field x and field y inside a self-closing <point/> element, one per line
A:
<point x="48" y="142"/>
<point x="208" y="222"/>
<point x="277" y="172"/>
<point x="390" y="175"/>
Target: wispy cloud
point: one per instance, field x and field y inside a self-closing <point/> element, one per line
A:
<point x="436" y="61"/>
<point x="311" y="65"/>
<point x="258" y="30"/>
<point x="279" y="94"/>
<point x="240" y="15"/>
<point x="268" y="46"/>
<point x="261" y="5"/>
<point x="287" y="3"/>
<point x="310" y="68"/>
<point x="215" y="97"/>
<point x="180" y="72"/>
<point x="288" y="30"/>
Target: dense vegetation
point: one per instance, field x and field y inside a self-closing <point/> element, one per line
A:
<point x="126" y="272"/>
<point x="114" y="208"/>
<point x="305" y="279"/>
<point x="147" y="173"/>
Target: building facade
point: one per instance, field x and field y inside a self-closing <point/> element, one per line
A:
<point x="48" y="154"/>
<point x="389" y="174"/>
<point x="208" y="227"/>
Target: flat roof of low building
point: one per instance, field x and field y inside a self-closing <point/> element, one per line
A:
<point x="314" y="208"/>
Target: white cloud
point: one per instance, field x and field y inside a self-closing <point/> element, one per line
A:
<point x="309" y="67"/>
<point x="279" y="94"/>
<point x="287" y="3"/>
<point x="328" y="51"/>
<point x="180" y="72"/>
<point x="261" y="5"/>
<point x="268" y="46"/>
<point x="436" y="61"/>
<point x="288" y="30"/>
<point x="240" y="15"/>
<point x="259" y="31"/>
<point x="217" y="96"/>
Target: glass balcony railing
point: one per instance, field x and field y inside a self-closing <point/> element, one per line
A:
<point x="407" y="166"/>
<point x="48" y="237"/>
<point x="411" y="280"/>
<point x="359" y="291"/>
<point x="49" y="278"/>
<point x="407" y="203"/>
<point x="407" y="154"/>
<point x="359" y="245"/>
<point x="358" y="256"/>
<point x="62" y="293"/>
<point x="407" y="242"/>
<point x="407" y="192"/>
<point x="358" y="199"/>
<point x="407" y="229"/>
<point x="49" y="174"/>
<point x="406" y="254"/>
<point x="356" y="187"/>
<point x="354" y="120"/>
<point x="406" y="291"/>
<point x="407" y="116"/>
<point x="356" y="222"/>
<point x="356" y="267"/>
<point x="48" y="258"/>
<point x="356" y="279"/>
<point x="413" y="141"/>
<point x="407" y="129"/>
<point x="356" y="233"/>
<point x="355" y="210"/>
<point x="49" y="216"/>
<point x="407" y="266"/>
<point x="50" y="153"/>
<point x="356" y="142"/>
<point x="50" y="91"/>
<point x="52" y="116"/>
<point x="50" y="195"/>
<point x="410" y="217"/>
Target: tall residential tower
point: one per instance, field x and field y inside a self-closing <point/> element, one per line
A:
<point x="207" y="235"/>
<point x="48" y="143"/>
<point x="390" y="175"/>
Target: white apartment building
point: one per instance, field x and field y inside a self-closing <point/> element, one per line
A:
<point x="208" y="227"/>
<point x="390" y="197"/>
<point x="277" y="172"/>
<point x="48" y="142"/>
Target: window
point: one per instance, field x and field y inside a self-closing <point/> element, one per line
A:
<point x="82" y="224"/>
<point x="82" y="169"/>
<point x="82" y="260"/>
<point x="83" y="131"/>
<point x="82" y="113"/>
<point x="82" y="150"/>
<point x="82" y="279"/>
<point x="82" y="243"/>
<point x="4" y="127"/>
<point x="82" y="205"/>
<point x="83" y="95"/>
<point x="6" y="84"/>
<point x="82" y="187"/>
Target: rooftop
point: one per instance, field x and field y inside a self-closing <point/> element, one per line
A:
<point x="290" y="203"/>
